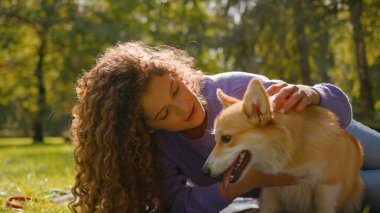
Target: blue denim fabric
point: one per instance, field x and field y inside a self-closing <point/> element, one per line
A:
<point x="370" y="141"/>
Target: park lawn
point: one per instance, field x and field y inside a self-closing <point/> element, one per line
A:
<point x="35" y="171"/>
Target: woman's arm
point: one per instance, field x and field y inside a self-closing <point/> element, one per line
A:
<point x="336" y="101"/>
<point x="181" y="197"/>
<point x="329" y="96"/>
<point x="297" y="97"/>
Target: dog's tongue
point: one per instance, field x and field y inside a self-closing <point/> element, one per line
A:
<point x="227" y="175"/>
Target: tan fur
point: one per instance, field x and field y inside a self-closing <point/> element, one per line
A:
<point x="310" y="144"/>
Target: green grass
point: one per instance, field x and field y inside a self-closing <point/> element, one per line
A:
<point x="35" y="171"/>
<point x="28" y="141"/>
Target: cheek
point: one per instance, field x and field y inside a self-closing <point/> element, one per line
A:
<point x="173" y="124"/>
<point x="187" y="93"/>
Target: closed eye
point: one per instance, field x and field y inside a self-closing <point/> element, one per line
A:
<point x="176" y="91"/>
<point x="167" y="111"/>
<point x="165" y="115"/>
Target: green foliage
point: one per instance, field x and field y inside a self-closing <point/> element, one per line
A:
<point x="290" y="40"/>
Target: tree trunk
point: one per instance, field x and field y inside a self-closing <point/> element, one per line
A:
<point x="302" y="43"/>
<point x="366" y="96"/>
<point x="38" y="136"/>
<point x="324" y="59"/>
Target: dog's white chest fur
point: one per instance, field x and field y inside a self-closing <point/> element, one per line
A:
<point x="306" y="197"/>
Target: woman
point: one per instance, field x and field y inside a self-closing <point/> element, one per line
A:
<point x="142" y="129"/>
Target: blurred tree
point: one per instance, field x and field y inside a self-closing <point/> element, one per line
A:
<point x="301" y="17"/>
<point x="66" y="37"/>
<point x="40" y="16"/>
<point x="304" y="42"/>
<point x="16" y="84"/>
<point x="45" y="45"/>
<point x="187" y="24"/>
<point x="356" y="9"/>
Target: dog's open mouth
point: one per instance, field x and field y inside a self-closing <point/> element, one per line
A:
<point x="233" y="173"/>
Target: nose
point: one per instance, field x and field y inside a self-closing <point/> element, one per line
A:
<point x="206" y="170"/>
<point x="181" y="107"/>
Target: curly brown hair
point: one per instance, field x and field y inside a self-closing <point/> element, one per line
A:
<point x="115" y="162"/>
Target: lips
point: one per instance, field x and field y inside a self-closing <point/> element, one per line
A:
<point x="190" y="116"/>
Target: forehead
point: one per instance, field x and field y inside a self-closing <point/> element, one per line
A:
<point x="157" y="82"/>
<point x="152" y="99"/>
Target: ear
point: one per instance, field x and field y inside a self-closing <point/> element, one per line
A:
<point x="225" y="99"/>
<point x="256" y="103"/>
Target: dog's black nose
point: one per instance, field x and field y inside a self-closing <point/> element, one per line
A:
<point x="206" y="171"/>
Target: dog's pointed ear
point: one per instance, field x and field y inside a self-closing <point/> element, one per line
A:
<point x="225" y="99"/>
<point x="256" y="103"/>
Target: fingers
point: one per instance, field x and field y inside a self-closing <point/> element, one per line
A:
<point x="292" y="101"/>
<point x="282" y="97"/>
<point x="275" y="88"/>
<point x="286" y="97"/>
<point x="297" y="101"/>
<point x="302" y="104"/>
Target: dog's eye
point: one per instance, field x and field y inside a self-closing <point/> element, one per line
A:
<point x="225" y="138"/>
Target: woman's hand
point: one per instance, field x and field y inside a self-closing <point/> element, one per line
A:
<point x="286" y="97"/>
<point x="253" y="179"/>
<point x="261" y="180"/>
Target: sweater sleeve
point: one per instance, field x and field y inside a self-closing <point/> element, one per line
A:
<point x="332" y="98"/>
<point x="183" y="197"/>
<point x="336" y="101"/>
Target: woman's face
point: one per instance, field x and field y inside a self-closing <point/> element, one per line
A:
<point x="169" y="105"/>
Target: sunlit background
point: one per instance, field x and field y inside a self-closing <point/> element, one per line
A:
<point x="45" y="45"/>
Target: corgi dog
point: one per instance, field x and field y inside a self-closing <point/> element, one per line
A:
<point x="309" y="144"/>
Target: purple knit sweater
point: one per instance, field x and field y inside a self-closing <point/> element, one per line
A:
<point x="186" y="189"/>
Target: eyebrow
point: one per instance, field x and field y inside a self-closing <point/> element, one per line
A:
<point x="171" y="85"/>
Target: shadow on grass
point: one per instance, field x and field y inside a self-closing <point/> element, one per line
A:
<point x="26" y="142"/>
